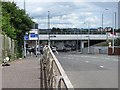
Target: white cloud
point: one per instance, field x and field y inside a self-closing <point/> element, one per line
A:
<point x="92" y="19"/>
<point x="66" y="0"/>
<point x="35" y="20"/>
<point x="37" y="10"/>
<point x="68" y="14"/>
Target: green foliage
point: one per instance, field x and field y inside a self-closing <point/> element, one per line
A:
<point x="118" y="30"/>
<point x="15" y="23"/>
<point x="56" y="29"/>
<point x="15" y="17"/>
<point x="7" y="28"/>
<point x="0" y="17"/>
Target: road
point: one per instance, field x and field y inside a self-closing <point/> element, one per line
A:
<point x="90" y="71"/>
<point x="24" y="73"/>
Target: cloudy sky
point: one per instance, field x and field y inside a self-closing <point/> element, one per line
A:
<point x="72" y="13"/>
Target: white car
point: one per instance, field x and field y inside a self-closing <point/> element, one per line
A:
<point x="53" y="49"/>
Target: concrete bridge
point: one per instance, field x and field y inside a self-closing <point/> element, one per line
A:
<point x="33" y="35"/>
<point x="78" y="40"/>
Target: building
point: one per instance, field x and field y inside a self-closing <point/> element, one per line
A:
<point x="107" y="29"/>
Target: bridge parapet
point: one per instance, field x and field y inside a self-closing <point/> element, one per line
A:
<point x="52" y="73"/>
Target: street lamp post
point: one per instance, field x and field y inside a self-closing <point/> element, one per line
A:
<point x="102" y="20"/>
<point x="48" y="28"/>
<point x="36" y="47"/>
<point x="24" y="36"/>
<point x="81" y="40"/>
<point x="77" y="42"/>
<point x="24" y="6"/>
<point x="102" y="24"/>
<point x="38" y="42"/>
<point x="88" y="39"/>
<point x="113" y="32"/>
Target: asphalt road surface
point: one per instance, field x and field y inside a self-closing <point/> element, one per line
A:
<point x="90" y="71"/>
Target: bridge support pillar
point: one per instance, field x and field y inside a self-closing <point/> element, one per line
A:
<point x="82" y="45"/>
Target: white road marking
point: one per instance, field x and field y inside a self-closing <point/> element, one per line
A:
<point x="101" y="58"/>
<point x="86" y="61"/>
<point x="101" y="66"/>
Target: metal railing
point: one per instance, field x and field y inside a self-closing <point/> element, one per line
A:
<point x="92" y="32"/>
<point x="52" y="73"/>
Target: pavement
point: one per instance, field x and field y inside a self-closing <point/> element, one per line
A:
<point x="90" y="71"/>
<point x="84" y="71"/>
<point x="24" y="73"/>
<point x="0" y="77"/>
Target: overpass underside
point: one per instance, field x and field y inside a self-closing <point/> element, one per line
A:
<point x="73" y="43"/>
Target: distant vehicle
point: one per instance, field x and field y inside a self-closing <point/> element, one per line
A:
<point x="54" y="49"/>
<point x="67" y="48"/>
<point x="73" y="47"/>
<point x="41" y="49"/>
<point x="60" y="47"/>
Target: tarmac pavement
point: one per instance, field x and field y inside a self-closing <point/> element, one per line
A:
<point x="24" y="73"/>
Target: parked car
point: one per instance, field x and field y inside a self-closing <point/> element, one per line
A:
<point x="54" y="49"/>
<point x="68" y="48"/>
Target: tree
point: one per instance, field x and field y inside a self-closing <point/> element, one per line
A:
<point x="56" y="29"/>
<point x="15" y="23"/>
<point x="118" y="30"/>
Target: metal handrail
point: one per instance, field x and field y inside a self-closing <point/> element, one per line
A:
<point x="54" y="33"/>
<point x="53" y="75"/>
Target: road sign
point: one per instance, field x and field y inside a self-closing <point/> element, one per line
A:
<point x="33" y="35"/>
<point x="26" y="37"/>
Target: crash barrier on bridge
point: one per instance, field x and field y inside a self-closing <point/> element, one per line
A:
<point x="52" y="73"/>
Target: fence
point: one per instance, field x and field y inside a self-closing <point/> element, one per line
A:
<point x="0" y="47"/>
<point x="52" y="73"/>
<point x="96" y="50"/>
<point x="6" y="47"/>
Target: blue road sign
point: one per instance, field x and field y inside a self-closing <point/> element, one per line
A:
<point x="33" y="35"/>
<point x="26" y="37"/>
